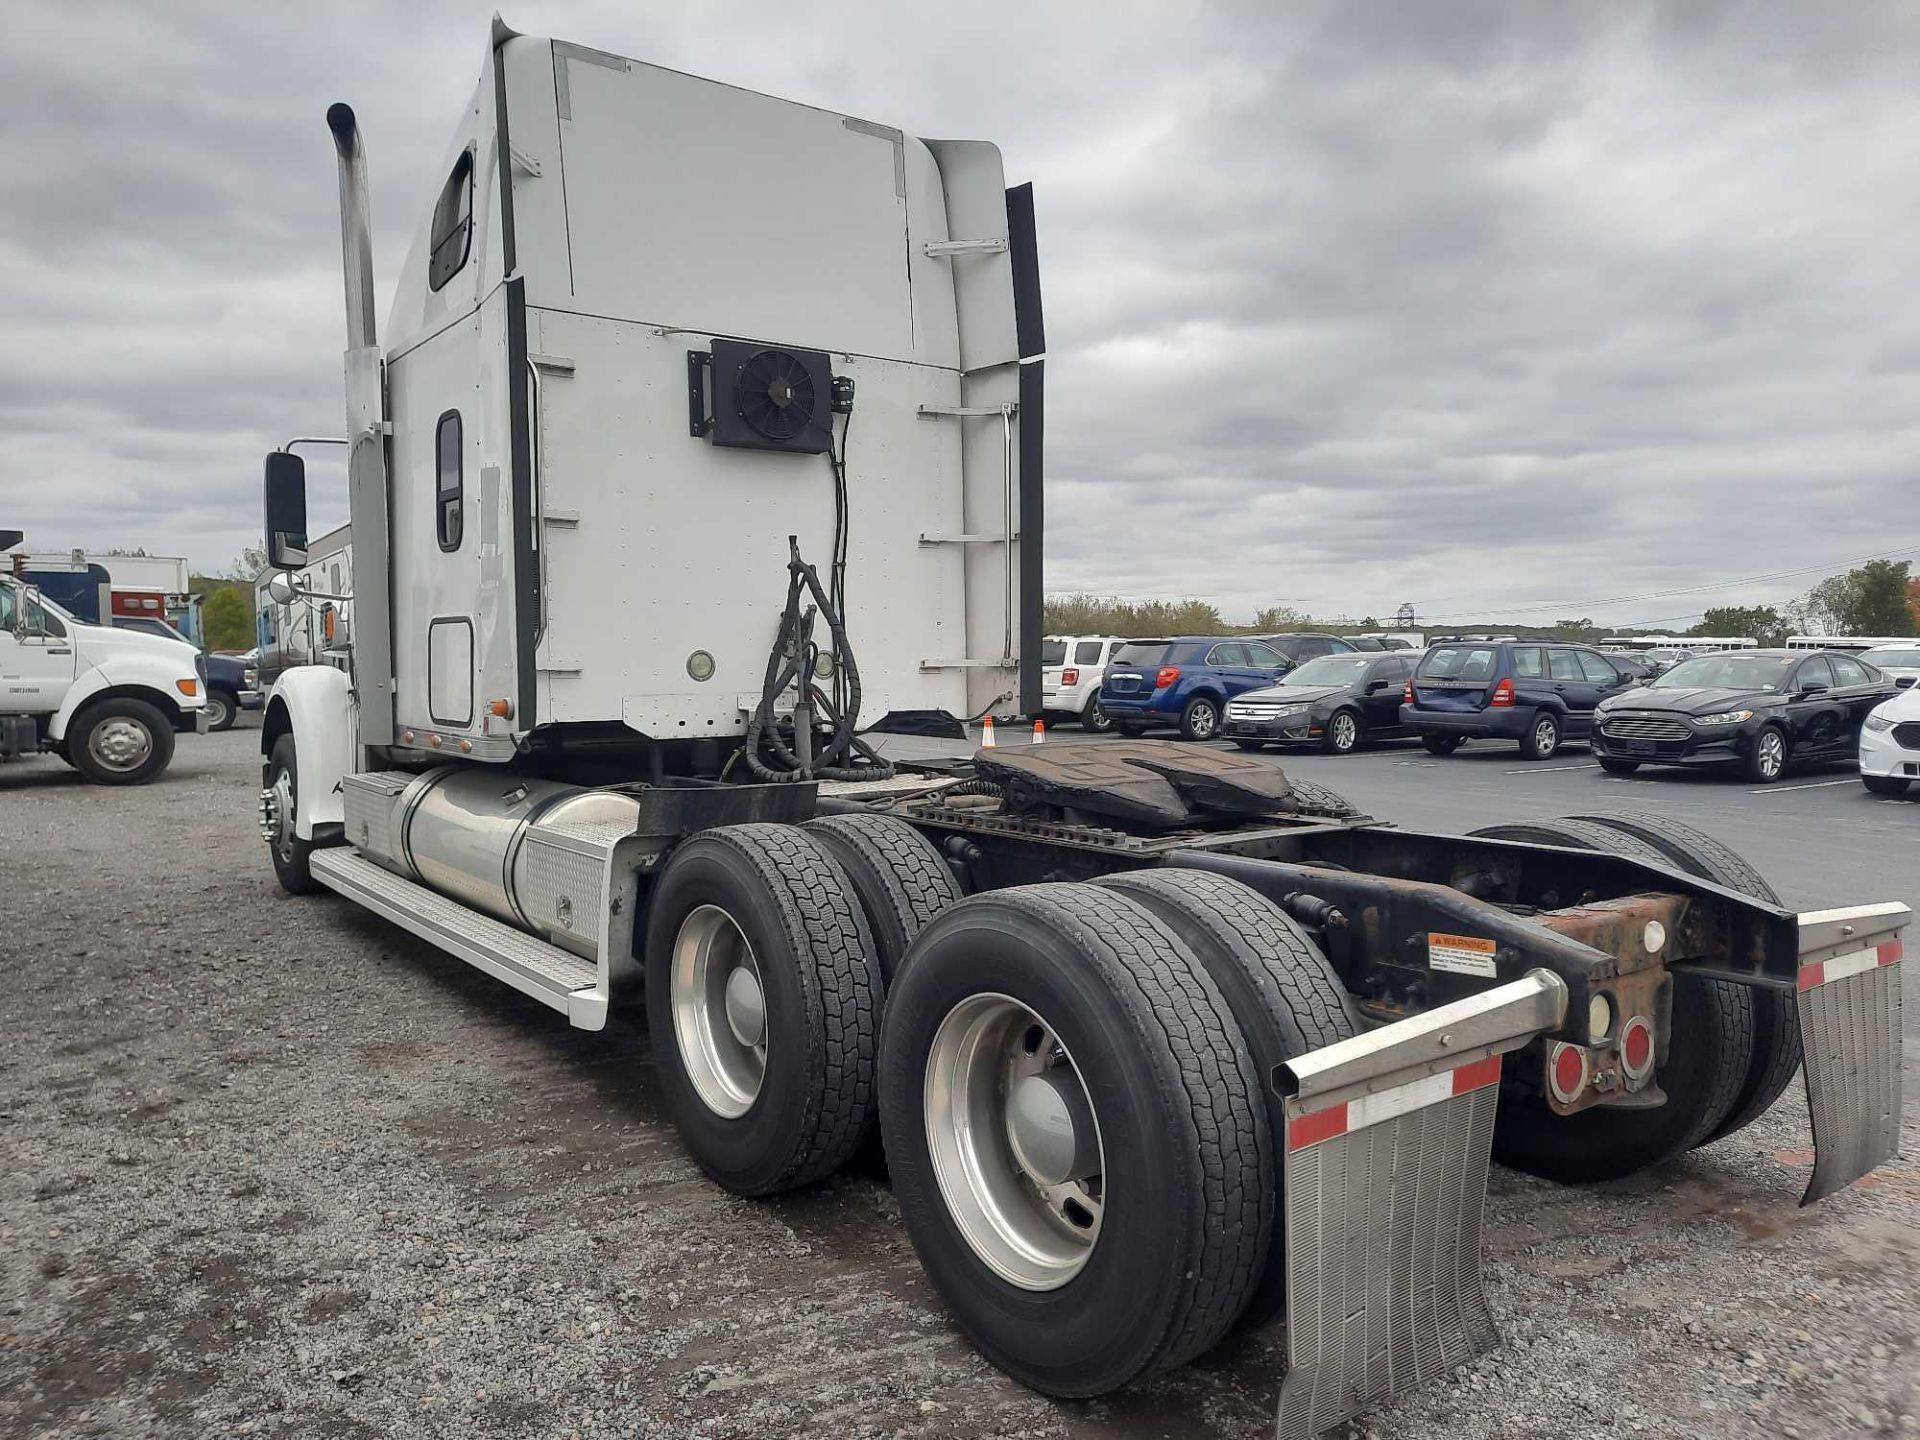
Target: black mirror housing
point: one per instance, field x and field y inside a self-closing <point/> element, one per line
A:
<point x="286" y="505"/>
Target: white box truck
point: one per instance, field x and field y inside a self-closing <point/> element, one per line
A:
<point x="705" y="424"/>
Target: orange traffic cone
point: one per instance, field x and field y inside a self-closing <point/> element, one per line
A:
<point x="987" y="742"/>
<point x="1039" y="732"/>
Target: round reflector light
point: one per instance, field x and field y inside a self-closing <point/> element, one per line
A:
<point x="1567" y="1072"/>
<point x="1636" y="1047"/>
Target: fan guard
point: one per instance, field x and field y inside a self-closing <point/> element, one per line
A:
<point x="774" y="394"/>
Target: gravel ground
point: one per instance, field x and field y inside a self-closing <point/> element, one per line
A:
<point x="274" y="1167"/>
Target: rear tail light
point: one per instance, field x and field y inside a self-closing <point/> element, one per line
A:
<point x="1407" y="697"/>
<point x="1168" y="674"/>
<point x="1502" y="696"/>
<point x="1069" y="676"/>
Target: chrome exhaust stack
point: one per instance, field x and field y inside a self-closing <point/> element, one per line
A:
<point x="356" y="225"/>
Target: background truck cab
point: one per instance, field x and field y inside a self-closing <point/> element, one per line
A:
<point x="108" y="702"/>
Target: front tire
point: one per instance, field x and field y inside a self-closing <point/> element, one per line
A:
<point x="1130" y="1236"/>
<point x="1542" y="737"/>
<point x="1342" y="735"/>
<point x="1250" y="745"/>
<point x="223" y="708"/>
<point x="278" y="804"/>
<point x="120" y="741"/>
<point x="1201" y="719"/>
<point x="763" y="1004"/>
<point x="1885" y="784"/>
<point x="1618" y="767"/>
<point x="1767" y="757"/>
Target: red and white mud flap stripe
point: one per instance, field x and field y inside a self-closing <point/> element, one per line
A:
<point x="1387" y="1139"/>
<point x="1849" y="986"/>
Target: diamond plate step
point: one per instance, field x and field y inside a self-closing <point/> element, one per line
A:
<point x="549" y="974"/>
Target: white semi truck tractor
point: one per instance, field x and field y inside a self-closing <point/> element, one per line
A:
<point x="107" y="701"/>
<point x="697" y="468"/>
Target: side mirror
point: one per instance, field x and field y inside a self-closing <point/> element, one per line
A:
<point x="29" y="620"/>
<point x="281" y="589"/>
<point x="286" y="499"/>
<point x="1374" y="687"/>
<point x="1813" y="687"/>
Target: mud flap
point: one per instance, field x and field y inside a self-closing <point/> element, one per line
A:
<point x="1387" y="1138"/>
<point x="1849" y="985"/>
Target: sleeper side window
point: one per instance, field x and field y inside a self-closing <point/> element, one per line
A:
<point x="449" y="483"/>
<point x="452" y="234"/>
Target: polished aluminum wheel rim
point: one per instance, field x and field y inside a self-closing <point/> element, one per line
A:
<point x="1014" y="1142"/>
<point x="1203" y="721"/>
<point x="1773" y="752"/>
<point x="719" y="1011"/>
<point x="1344" y="732"/>
<point x="1546" y="736"/>
<point x="120" y="744"/>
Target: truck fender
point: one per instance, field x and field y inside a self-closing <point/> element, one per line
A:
<point x="122" y="675"/>
<point x="314" y="704"/>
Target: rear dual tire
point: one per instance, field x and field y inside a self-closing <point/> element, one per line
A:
<point x="763" y="1004"/>
<point x="1165" y="1013"/>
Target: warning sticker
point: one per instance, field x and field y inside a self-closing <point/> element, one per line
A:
<point x="1462" y="954"/>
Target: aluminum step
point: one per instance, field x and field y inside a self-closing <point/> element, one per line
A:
<point x="549" y="974"/>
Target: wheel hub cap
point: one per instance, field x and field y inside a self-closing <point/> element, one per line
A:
<point x="746" y="1007"/>
<point x="120" y="744"/>
<point x="719" y="1011"/>
<point x="1048" y="1127"/>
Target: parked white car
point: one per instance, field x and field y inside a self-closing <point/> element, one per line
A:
<point x="1901" y="662"/>
<point x="1890" y="745"/>
<point x="1071" y="669"/>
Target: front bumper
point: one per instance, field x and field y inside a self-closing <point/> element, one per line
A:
<point x="1881" y="754"/>
<point x="1724" y="745"/>
<point x="1306" y="725"/>
<point x="252" y="699"/>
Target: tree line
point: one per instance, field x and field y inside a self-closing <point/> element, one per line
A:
<point x="1880" y="597"/>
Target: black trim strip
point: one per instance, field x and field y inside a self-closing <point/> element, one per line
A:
<point x="1033" y="423"/>
<point x="1029" y="324"/>
<point x="527" y="599"/>
<point x="504" y="157"/>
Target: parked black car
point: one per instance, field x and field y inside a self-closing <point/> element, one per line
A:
<point x="1339" y="702"/>
<point x="1755" y="710"/>
<point x="1521" y="690"/>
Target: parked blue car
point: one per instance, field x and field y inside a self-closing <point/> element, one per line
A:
<point x="1534" y="693"/>
<point x="1185" y="681"/>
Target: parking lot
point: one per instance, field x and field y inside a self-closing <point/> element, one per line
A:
<point x="275" y="1167"/>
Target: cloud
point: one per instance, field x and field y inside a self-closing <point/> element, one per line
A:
<point x="1468" y="305"/>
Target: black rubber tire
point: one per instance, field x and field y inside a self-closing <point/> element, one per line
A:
<point x="1754" y="767"/>
<point x="1175" y="1096"/>
<point x="120" y="707"/>
<point x="1542" y="737"/>
<point x="795" y="907"/>
<point x="1095" y="720"/>
<point x="1885" y="784"/>
<point x="1283" y="994"/>
<point x="292" y="858"/>
<point x="1618" y="767"/>
<point x="1359" y="737"/>
<point x="1702" y="1075"/>
<point x="898" y="877"/>
<point x="1777" y="1050"/>
<point x="223" y="708"/>
<point x="1441" y="744"/>
<point x="1250" y="745"/>
<point x="1201" y="719"/>
<point x="1308" y="798"/>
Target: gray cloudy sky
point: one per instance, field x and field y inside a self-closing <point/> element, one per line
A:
<point x="1482" y="306"/>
